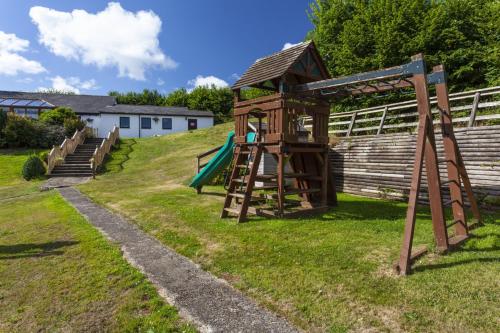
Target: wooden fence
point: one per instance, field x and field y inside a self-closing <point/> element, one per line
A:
<point x="368" y="161"/>
<point x="381" y="166"/>
<point x="469" y="109"/>
<point x="101" y="151"/>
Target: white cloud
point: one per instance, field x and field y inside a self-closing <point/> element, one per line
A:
<point x="71" y="84"/>
<point x="289" y="45"/>
<point x="235" y="76"/>
<point x="207" y="81"/>
<point x="160" y="82"/>
<point x="112" y="37"/>
<point x="11" y="63"/>
<point x="25" y="80"/>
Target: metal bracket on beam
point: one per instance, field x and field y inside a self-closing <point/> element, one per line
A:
<point x="436" y="77"/>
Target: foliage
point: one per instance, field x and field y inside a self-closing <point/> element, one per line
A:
<point x="146" y="97"/>
<point x="354" y="36"/>
<point x="26" y="132"/>
<point x="179" y="97"/>
<point x="33" y="168"/>
<point x="250" y="93"/>
<point x="56" y="91"/>
<point x="57" y="116"/>
<point x="3" y="123"/>
<point x="217" y="100"/>
<point x="73" y="124"/>
<point x="44" y="156"/>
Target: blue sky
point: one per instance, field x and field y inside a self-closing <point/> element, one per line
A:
<point x="93" y="47"/>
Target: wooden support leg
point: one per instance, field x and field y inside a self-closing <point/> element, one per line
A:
<point x="468" y="189"/>
<point x="431" y="164"/>
<point x="405" y="255"/>
<point x="281" y="184"/>
<point x="324" y="181"/>
<point x="451" y="156"/>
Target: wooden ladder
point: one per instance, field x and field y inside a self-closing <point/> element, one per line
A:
<point x="457" y="175"/>
<point x="242" y="180"/>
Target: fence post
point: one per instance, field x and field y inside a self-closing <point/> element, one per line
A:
<point x="351" y="125"/>
<point x="382" y="120"/>
<point x="473" y="112"/>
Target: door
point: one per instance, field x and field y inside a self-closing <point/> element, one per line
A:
<point x="192" y="124"/>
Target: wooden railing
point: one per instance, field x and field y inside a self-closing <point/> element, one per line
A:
<point x="400" y="117"/>
<point x="199" y="164"/>
<point x="59" y="153"/>
<point x="101" y="151"/>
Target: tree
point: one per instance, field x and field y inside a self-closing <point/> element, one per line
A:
<point x="177" y="97"/>
<point x="58" y="115"/>
<point x="217" y="100"/>
<point x="354" y="36"/>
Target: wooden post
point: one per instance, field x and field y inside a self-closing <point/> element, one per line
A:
<point x="324" y="181"/>
<point x="382" y="120"/>
<point x="451" y="156"/>
<point x="473" y="112"/>
<point x="281" y="183"/>
<point x="405" y="255"/>
<point x="351" y="125"/>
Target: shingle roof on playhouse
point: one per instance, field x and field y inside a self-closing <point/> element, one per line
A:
<point x="298" y="59"/>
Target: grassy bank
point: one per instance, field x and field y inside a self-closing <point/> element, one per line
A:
<point x="57" y="273"/>
<point x="327" y="273"/>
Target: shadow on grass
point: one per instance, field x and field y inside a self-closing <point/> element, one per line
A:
<point x="456" y="263"/>
<point x="114" y="162"/>
<point x="18" y="251"/>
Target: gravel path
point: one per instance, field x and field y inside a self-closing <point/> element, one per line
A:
<point x="208" y="302"/>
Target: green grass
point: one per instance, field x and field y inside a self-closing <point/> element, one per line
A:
<point x="57" y="273"/>
<point x="328" y="273"/>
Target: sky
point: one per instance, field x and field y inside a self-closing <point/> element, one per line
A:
<point x="93" y="47"/>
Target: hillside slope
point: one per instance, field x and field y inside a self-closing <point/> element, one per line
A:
<point x="328" y="273"/>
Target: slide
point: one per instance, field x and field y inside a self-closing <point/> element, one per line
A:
<point x="219" y="162"/>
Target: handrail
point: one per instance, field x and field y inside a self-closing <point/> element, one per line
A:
<point x="101" y="151"/>
<point x="199" y="165"/>
<point x="353" y="120"/>
<point x="59" y="153"/>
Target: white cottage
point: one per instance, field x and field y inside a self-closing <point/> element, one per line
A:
<point x="102" y="113"/>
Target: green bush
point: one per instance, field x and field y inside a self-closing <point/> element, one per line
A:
<point x="71" y="125"/>
<point x="33" y="168"/>
<point x="57" y="116"/>
<point x="20" y="132"/>
<point x="26" y="132"/>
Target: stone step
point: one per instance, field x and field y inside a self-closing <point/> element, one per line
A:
<point x="71" y="175"/>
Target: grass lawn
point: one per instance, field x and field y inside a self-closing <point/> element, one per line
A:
<point x="57" y="273"/>
<point x="327" y="273"/>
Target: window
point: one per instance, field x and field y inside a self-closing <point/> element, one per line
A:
<point x="192" y="124"/>
<point x="124" y="122"/>
<point x="166" y="123"/>
<point x="146" y="123"/>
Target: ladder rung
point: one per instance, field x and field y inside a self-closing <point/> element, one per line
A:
<point x="237" y="195"/>
<point x="244" y="165"/>
<point x="456" y="240"/>
<point x="232" y="210"/>
<point x="453" y="223"/>
<point x="302" y="190"/>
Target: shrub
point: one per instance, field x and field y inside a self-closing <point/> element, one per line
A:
<point x="25" y="132"/>
<point x="20" y="132"/>
<point x="49" y="135"/>
<point x="71" y="125"/>
<point x="57" y="116"/>
<point x="33" y="168"/>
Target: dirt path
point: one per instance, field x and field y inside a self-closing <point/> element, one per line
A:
<point x="208" y="302"/>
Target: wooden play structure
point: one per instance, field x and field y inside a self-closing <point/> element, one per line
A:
<point x="301" y="87"/>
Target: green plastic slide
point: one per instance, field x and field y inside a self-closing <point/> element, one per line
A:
<point x="219" y="162"/>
